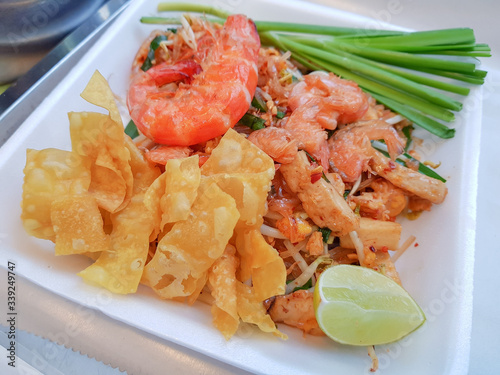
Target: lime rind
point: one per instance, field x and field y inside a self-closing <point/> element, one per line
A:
<point x="359" y="306"/>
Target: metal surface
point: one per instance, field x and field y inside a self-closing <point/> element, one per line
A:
<point x="19" y="100"/>
<point x="38" y="24"/>
<point x="93" y="334"/>
<point x="29" y="29"/>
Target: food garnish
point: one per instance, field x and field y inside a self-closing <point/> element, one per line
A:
<point x="359" y="306"/>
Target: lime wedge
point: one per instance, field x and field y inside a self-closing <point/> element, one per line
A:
<point x="358" y="306"/>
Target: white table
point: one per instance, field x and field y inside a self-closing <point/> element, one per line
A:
<point x="48" y="358"/>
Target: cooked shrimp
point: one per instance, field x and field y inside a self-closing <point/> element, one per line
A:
<point x="324" y="205"/>
<point x="160" y="154"/>
<point x="296" y="310"/>
<point x="319" y="102"/>
<point x="276" y="142"/>
<point x="384" y="202"/>
<point x="215" y="99"/>
<point x="182" y="71"/>
<point x="281" y="198"/>
<point x="405" y="178"/>
<point x="350" y="148"/>
<point x="339" y="101"/>
<point x="310" y="135"/>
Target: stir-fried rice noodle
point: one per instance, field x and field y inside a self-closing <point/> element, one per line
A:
<point x="405" y="246"/>
<point x="368" y="195"/>
<point x="373" y="357"/>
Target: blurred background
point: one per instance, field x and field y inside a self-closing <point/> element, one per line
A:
<point x="29" y="29"/>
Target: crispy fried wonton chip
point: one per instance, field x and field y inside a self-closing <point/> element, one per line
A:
<point x="222" y="281"/>
<point x="120" y="267"/>
<point x="243" y="171"/>
<point x="94" y="135"/>
<point x="250" y="193"/>
<point x="262" y="263"/>
<point x="50" y="174"/>
<point x="78" y="225"/>
<point x="170" y="197"/>
<point x="181" y="188"/>
<point x="100" y="138"/>
<point x="200" y="284"/>
<point x="246" y="175"/>
<point x="190" y="248"/>
<point x="251" y="310"/>
<point x="235" y="154"/>
<point x="99" y="93"/>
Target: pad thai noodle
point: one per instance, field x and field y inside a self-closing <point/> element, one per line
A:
<point x="334" y="198"/>
<point x="249" y="176"/>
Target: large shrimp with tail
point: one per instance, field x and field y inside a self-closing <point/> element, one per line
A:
<point x="323" y="101"/>
<point x="351" y="151"/>
<point x="207" y="102"/>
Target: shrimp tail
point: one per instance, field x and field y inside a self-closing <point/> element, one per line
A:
<point x="395" y="147"/>
<point x="323" y="155"/>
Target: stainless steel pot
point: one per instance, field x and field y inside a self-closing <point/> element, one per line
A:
<point x="31" y="28"/>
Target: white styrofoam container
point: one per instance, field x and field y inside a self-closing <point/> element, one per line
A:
<point x="437" y="273"/>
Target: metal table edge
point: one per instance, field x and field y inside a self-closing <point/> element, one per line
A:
<point x="19" y="100"/>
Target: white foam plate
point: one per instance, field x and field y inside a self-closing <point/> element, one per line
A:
<point x="437" y="273"/>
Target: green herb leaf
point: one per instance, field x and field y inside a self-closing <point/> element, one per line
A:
<point x="307" y="285"/>
<point x="131" y="130"/>
<point x="155" y="43"/>
<point x="252" y="121"/>
<point x="325" y="232"/>
<point x="422" y="168"/>
<point x="259" y="103"/>
<point x="407" y="133"/>
<point x="280" y="114"/>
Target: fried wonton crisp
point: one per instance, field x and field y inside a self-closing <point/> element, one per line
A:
<point x="251" y="310"/>
<point x="50" y="174"/>
<point x="119" y="268"/>
<point x="190" y="248"/>
<point x="244" y="171"/>
<point x="235" y="154"/>
<point x="99" y="93"/>
<point x="100" y="138"/>
<point x="170" y="197"/>
<point x="181" y="232"/>
<point x="261" y="263"/>
<point x="78" y="225"/>
<point x="222" y="283"/>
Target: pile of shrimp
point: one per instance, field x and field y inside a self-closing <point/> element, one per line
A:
<point x="317" y="127"/>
